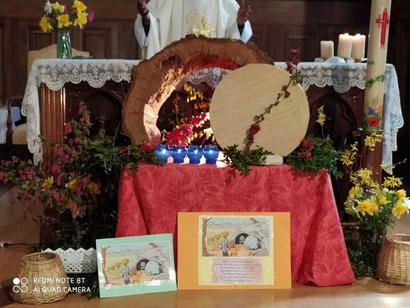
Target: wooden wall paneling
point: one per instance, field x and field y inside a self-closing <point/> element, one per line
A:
<point x="1" y="65"/>
<point x="8" y="59"/>
<point x="127" y="43"/>
<point x="302" y="38"/>
<point x="39" y="39"/>
<point x="260" y="36"/>
<point x="99" y="40"/>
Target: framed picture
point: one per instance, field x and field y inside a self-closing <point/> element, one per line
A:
<point x="136" y="265"/>
<point x="234" y="250"/>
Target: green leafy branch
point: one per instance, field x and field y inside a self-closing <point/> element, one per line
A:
<point x="242" y="160"/>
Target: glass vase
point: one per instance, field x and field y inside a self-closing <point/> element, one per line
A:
<point x="63" y="44"/>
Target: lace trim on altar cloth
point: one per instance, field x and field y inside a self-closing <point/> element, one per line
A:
<point x="55" y="73"/>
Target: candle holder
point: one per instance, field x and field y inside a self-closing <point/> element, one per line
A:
<point x="178" y="153"/>
<point x="211" y="153"/>
<point x="194" y="154"/>
<point x="162" y="152"/>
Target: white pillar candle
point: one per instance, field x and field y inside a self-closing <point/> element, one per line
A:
<point x="358" y="46"/>
<point x="344" y="49"/>
<point x="326" y="49"/>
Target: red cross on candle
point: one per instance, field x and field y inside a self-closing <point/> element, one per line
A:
<point x="383" y="22"/>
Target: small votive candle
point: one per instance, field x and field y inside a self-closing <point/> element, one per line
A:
<point x="178" y="153"/>
<point x="194" y="154"/>
<point x="326" y="49"/>
<point x="211" y="153"/>
<point x="358" y="46"/>
<point x="162" y="152"/>
<point x="344" y="48"/>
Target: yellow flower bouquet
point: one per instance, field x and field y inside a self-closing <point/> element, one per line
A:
<point x="59" y="18"/>
<point x="373" y="206"/>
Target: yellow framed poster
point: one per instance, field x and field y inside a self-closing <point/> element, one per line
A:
<point x="234" y="250"/>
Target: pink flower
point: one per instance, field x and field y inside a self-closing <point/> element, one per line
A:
<point x="91" y="16"/>
<point x="67" y="129"/>
<point x="56" y="195"/>
<point x="55" y="169"/>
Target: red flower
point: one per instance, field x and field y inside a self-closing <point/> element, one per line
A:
<point x="67" y="129"/>
<point x="296" y="56"/>
<point x="373" y="121"/>
<point x="148" y="147"/>
<point x="255" y="128"/>
<point x="307" y="144"/>
<point x="289" y="67"/>
<point x="197" y="120"/>
<point x="287" y="94"/>
<point x="124" y="149"/>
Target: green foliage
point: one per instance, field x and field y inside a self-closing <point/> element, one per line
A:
<point x="314" y="154"/>
<point x="242" y="160"/>
<point x="78" y="188"/>
<point x="371" y="82"/>
<point x="363" y="246"/>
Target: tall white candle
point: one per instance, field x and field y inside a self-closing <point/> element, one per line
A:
<point x="344" y="49"/>
<point x="376" y="63"/>
<point x="358" y="46"/>
<point x="326" y="49"/>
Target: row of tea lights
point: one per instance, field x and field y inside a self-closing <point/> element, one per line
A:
<point x="194" y="153"/>
<point x="349" y="47"/>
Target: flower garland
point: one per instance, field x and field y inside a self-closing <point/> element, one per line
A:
<point x="294" y="79"/>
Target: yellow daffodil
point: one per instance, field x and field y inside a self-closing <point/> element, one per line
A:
<point x="79" y="5"/>
<point x="401" y="194"/>
<point x="321" y="117"/>
<point x="363" y="177"/>
<point x="63" y="21"/>
<point x="208" y="132"/>
<point x="72" y="184"/>
<point x="45" y="24"/>
<point x="400" y="209"/>
<point x="81" y="19"/>
<point x="392" y="182"/>
<point x="367" y="207"/>
<point x="94" y="188"/>
<point x="355" y="192"/>
<point x="382" y="199"/>
<point x="371" y="141"/>
<point x="48" y="182"/>
<point x="57" y="7"/>
<point x="349" y="155"/>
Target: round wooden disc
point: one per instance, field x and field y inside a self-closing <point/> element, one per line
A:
<point x="246" y="92"/>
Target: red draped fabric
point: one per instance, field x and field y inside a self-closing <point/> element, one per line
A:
<point x="150" y="199"/>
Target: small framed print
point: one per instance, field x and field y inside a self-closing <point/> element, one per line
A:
<point x="234" y="250"/>
<point x="136" y="265"/>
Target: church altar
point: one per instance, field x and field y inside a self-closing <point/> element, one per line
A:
<point x="150" y="199"/>
<point x="51" y="76"/>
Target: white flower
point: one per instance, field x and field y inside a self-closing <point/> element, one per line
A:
<point x="47" y="7"/>
<point x="407" y="203"/>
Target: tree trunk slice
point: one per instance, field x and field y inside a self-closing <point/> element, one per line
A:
<point x="155" y="79"/>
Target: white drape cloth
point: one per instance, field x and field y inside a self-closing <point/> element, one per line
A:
<point x="55" y="73"/>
